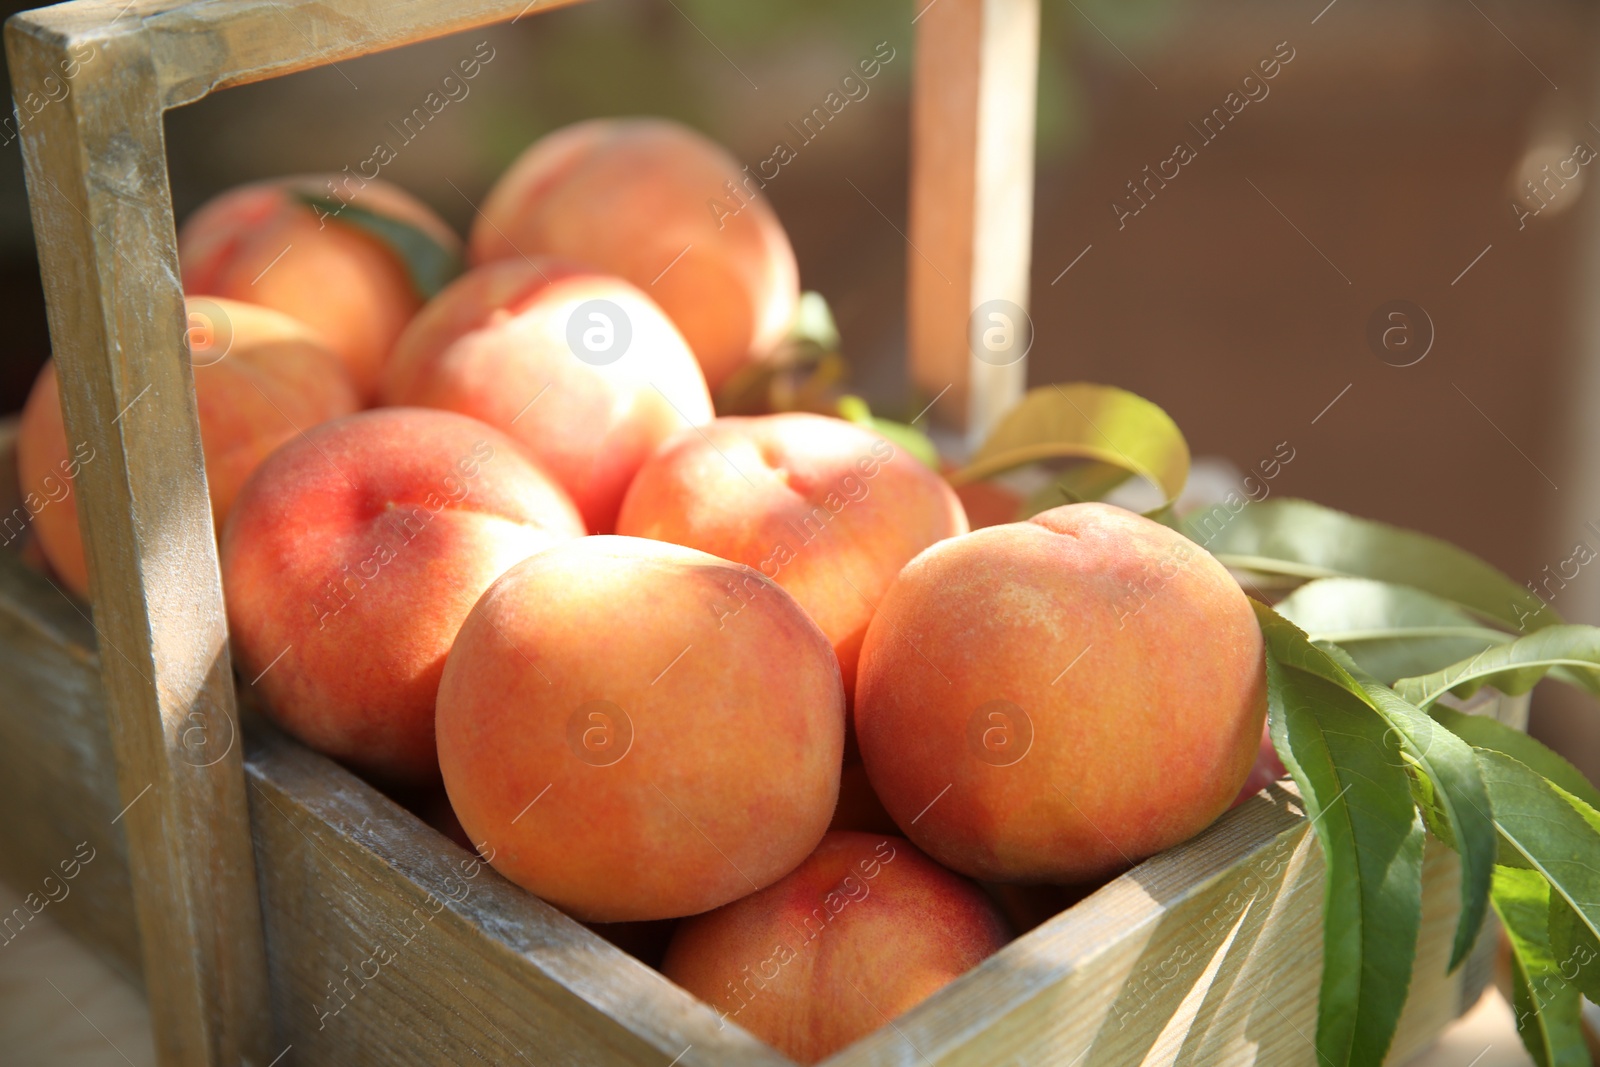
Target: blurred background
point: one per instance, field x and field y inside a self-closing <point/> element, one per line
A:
<point x="1391" y="160"/>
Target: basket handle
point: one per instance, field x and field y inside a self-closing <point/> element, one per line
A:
<point x="974" y="95"/>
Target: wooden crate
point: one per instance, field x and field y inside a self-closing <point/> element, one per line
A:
<point x="253" y="887"/>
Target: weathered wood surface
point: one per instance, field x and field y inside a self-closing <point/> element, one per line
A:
<point x="974" y="91"/>
<point x="58" y="786"/>
<point x="102" y="216"/>
<point x="1207" y="954"/>
<point x="198" y="46"/>
<point x="391" y="945"/>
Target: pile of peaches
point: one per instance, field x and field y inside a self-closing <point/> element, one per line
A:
<point x="751" y="673"/>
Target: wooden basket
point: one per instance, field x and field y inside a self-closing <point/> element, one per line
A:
<point x="276" y="909"/>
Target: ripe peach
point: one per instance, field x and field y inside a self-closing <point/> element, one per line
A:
<point x="352" y="557"/>
<point x="826" y="508"/>
<point x="624" y="753"/>
<point x="1056" y="699"/>
<point x="260" y="378"/>
<point x="298" y="245"/>
<point x="579" y="367"/>
<point x="665" y="208"/>
<point x="865" y="929"/>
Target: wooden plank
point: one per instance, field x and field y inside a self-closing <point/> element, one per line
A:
<point x="102" y="215"/>
<point x="198" y="46"/>
<point x="1210" y="953"/>
<point x="56" y="762"/>
<point x="974" y="91"/>
<point x="390" y="945"/>
<point x="57" y="773"/>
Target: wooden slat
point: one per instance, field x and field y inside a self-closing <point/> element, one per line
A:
<point x="57" y="773"/>
<point x="459" y="962"/>
<point x="1208" y="954"/>
<point x="198" y="46"/>
<point x="972" y="131"/>
<point x="102" y="217"/>
<point x="56" y="763"/>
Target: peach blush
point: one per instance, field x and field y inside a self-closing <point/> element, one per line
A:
<point x="352" y="557"/>
<point x="581" y="368"/>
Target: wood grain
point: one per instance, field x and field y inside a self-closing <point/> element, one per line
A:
<point x="391" y="945"/>
<point x="1210" y="953"/>
<point x="102" y="215"/>
<point x="974" y="91"/>
<point x="57" y="773"/>
<point x="198" y="46"/>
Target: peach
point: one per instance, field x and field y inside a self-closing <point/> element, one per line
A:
<point x="322" y="248"/>
<point x="862" y="931"/>
<point x="628" y="755"/>
<point x="1054" y="700"/>
<point x="665" y="208"/>
<point x="828" y="509"/>
<point x="579" y="367"/>
<point x="351" y="559"/>
<point x="260" y="378"/>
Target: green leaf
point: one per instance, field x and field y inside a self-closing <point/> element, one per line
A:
<point x="802" y="372"/>
<point x="429" y="264"/>
<point x="1348" y="766"/>
<point x="1545" y="1003"/>
<point x="1086" y="481"/>
<point x="1456" y="787"/>
<point x="813" y="323"/>
<point x="1516" y="667"/>
<point x="1442" y="769"/>
<point x="1391" y="631"/>
<point x="1576" y="949"/>
<point x="1480" y="731"/>
<point x="1305" y="540"/>
<point x="854" y="409"/>
<point x="1083" y="421"/>
<point x="1552" y="830"/>
<point x="1289" y="645"/>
